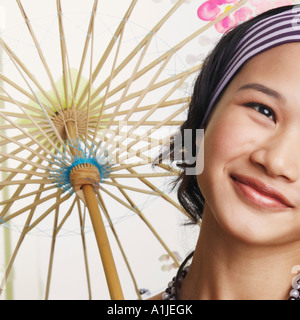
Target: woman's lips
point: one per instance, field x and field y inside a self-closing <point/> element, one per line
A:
<point x="259" y="193"/>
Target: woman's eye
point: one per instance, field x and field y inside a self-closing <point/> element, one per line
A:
<point x="261" y="108"/>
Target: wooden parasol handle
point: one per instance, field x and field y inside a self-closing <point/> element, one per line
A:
<point x="84" y="178"/>
<point x="109" y="266"/>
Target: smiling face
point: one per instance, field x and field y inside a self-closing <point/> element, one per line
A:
<point x="251" y="177"/>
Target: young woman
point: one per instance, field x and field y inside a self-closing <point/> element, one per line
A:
<point x="247" y="98"/>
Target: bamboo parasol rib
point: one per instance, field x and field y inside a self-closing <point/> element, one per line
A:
<point x="76" y="144"/>
<point x="82" y="225"/>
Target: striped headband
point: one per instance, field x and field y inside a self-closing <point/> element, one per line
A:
<point x="268" y="33"/>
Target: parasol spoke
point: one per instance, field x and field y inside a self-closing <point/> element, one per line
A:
<point x="5" y="157"/>
<point x="41" y="55"/>
<point x="31" y="172"/>
<point x="103" y="100"/>
<point x="90" y="82"/>
<point x="141" y="175"/>
<point x="148" y="114"/>
<point x="19" y="89"/>
<point x="136" y="94"/>
<point x="151" y="144"/>
<point x="22" y="146"/>
<point x="128" y="84"/>
<point x="117" y="199"/>
<point x="108" y="51"/>
<point x="56" y="229"/>
<point x="15" y="60"/>
<point x="177" y="47"/>
<point x="53" y="242"/>
<point x="147" y="137"/>
<point x="123" y="186"/>
<point x="168" y="168"/>
<point x="24" y="182"/>
<point x="104" y="209"/>
<point x="19" y="189"/>
<point x="145" y="108"/>
<point x="30" y="194"/>
<point x="166" y="104"/>
<point x="20" y="241"/>
<point x="19" y="115"/>
<point x="82" y="227"/>
<point x="18" y="64"/>
<point x="86" y="45"/>
<point x="148" y="224"/>
<point x="44" y="215"/>
<point x="222" y="16"/>
<point x="66" y="216"/>
<point x="170" y="53"/>
<point x="33" y="153"/>
<point x="146" y="123"/>
<point x="27" y="134"/>
<point x="67" y="77"/>
<point x="21" y="166"/>
<point x="64" y="54"/>
<point x="34" y="122"/>
<point x="122" y="166"/>
<point x="162" y="194"/>
<point x="143" y="44"/>
<point x="33" y="205"/>
<point x="131" y="206"/>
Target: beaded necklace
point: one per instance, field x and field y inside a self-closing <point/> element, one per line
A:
<point x="171" y="293"/>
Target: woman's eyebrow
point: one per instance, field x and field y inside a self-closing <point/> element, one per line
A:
<point x="262" y="88"/>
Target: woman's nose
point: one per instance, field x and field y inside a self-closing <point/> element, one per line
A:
<point x="279" y="156"/>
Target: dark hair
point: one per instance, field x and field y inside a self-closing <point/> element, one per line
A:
<point x="188" y="193"/>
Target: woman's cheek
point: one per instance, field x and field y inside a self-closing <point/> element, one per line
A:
<point x="226" y="137"/>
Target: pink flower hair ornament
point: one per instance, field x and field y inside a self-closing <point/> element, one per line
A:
<point x="210" y="10"/>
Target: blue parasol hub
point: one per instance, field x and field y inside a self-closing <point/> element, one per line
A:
<point x="63" y="163"/>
